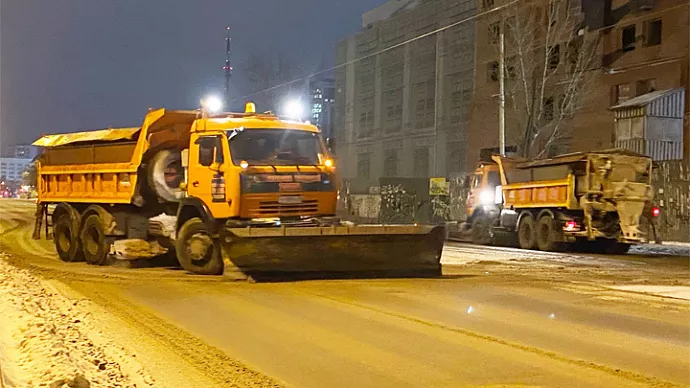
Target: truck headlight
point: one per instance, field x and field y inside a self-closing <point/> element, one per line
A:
<point x="486" y="197"/>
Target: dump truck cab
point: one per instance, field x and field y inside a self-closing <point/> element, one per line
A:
<point x="484" y="184"/>
<point x="254" y="168"/>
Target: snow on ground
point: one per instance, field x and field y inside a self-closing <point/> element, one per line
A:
<point x="47" y="341"/>
<point x="678" y="292"/>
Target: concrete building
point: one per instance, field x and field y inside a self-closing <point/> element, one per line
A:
<point x="643" y="47"/>
<point x="321" y="106"/>
<point x="402" y="103"/>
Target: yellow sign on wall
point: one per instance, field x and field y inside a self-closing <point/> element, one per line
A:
<point x="439" y="186"/>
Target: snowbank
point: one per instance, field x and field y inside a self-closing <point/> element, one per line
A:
<point x="45" y="340"/>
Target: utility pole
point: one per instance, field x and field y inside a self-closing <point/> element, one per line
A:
<point x="502" y="92"/>
<point x="227" y="68"/>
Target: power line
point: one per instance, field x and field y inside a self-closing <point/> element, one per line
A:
<point x="471" y="18"/>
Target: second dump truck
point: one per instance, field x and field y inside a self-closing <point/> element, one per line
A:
<point x="234" y="193"/>
<point x="595" y="198"/>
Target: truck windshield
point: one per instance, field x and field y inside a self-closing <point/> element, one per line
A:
<point x="271" y="147"/>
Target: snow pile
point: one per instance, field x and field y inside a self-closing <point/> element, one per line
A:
<point x="46" y="341"/>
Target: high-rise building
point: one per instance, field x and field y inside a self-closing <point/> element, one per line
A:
<point x="402" y="99"/>
<point x="21" y="151"/>
<point x="322" y="101"/>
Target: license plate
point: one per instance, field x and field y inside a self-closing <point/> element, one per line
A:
<point x="289" y="200"/>
<point x="292" y="186"/>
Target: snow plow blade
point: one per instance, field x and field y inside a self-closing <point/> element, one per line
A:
<point x="361" y="251"/>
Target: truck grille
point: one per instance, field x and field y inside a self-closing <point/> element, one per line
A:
<point x="275" y="209"/>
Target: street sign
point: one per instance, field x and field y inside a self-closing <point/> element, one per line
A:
<point x="439" y="186"/>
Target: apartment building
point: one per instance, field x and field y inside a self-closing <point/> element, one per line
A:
<point x="402" y="100"/>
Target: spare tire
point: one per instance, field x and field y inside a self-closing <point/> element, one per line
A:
<point x="165" y="174"/>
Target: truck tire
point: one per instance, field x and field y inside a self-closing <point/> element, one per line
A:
<point x="481" y="231"/>
<point x="164" y="175"/>
<point x="527" y="232"/>
<point x="547" y="235"/>
<point x="94" y="242"/>
<point x="196" y="250"/>
<point x="67" y="243"/>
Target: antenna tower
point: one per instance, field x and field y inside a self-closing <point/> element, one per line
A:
<point x="227" y="68"/>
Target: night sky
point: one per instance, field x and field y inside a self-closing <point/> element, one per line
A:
<point x="69" y="65"/>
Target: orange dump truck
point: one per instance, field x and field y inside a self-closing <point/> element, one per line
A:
<point x="595" y="198"/>
<point x="239" y="193"/>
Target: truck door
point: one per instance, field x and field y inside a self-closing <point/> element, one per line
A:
<point x="206" y="172"/>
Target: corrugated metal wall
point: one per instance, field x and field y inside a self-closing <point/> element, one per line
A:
<point x="672" y="105"/>
<point x="656" y="149"/>
<point x="671" y="182"/>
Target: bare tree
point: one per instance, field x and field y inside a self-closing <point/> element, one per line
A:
<point x="270" y="77"/>
<point x="549" y="71"/>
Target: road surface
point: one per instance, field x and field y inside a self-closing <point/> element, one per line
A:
<point x="498" y="317"/>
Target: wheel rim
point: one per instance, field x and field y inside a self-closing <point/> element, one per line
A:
<point x="64" y="239"/>
<point x="199" y="247"/>
<point x="92" y="245"/>
<point x="544" y="233"/>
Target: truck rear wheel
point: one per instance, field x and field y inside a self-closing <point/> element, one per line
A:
<point x="527" y="232"/>
<point x="196" y="250"/>
<point x="94" y="242"/>
<point x="547" y="237"/>
<point x="66" y="238"/>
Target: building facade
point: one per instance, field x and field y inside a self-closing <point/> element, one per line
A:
<point x="646" y="48"/>
<point x="642" y="47"/>
<point x="402" y="98"/>
<point x="11" y="169"/>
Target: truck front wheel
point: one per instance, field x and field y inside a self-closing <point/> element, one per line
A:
<point x="527" y="232"/>
<point x="196" y="250"/>
<point x="481" y="231"/>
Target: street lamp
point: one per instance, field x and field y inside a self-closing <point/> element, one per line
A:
<point x="294" y="109"/>
<point x="212" y="104"/>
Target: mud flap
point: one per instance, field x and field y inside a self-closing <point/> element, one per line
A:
<point x="333" y="252"/>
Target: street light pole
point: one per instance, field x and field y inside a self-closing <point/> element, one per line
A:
<point x="502" y="95"/>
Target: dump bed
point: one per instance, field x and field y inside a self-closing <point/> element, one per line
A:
<point x="561" y="181"/>
<point x="101" y="166"/>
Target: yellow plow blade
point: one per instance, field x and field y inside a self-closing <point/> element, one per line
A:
<point x="333" y="251"/>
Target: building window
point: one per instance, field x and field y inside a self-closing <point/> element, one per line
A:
<point x="390" y="163"/>
<point x="421" y="162"/>
<point x="455" y="157"/>
<point x="554" y="56"/>
<point x="366" y="117"/>
<point x="548" y="110"/>
<point x="653" y="33"/>
<point x="424" y="95"/>
<point x="363" y="165"/>
<point x="620" y="93"/>
<point x="628" y="38"/>
<point x="494" y="32"/>
<point x="392" y="102"/>
<point x="645" y="86"/>
<point x="493" y="71"/>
